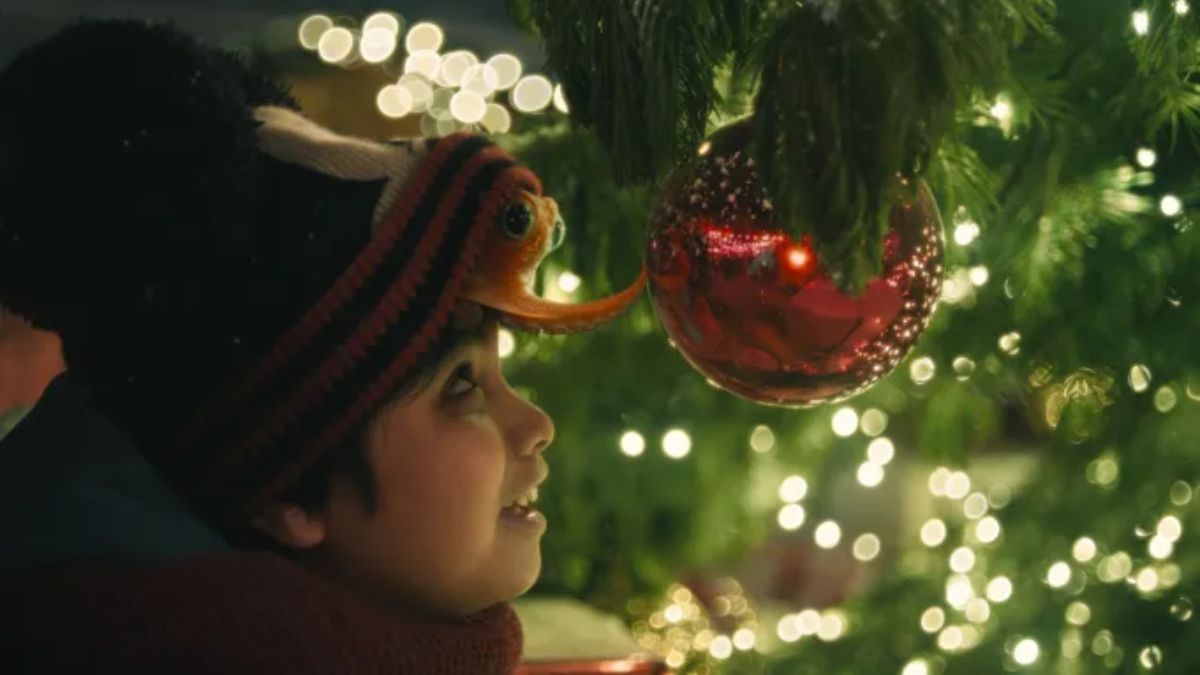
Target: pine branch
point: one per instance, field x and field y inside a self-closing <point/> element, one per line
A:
<point x="1170" y="40"/>
<point x="851" y="95"/>
<point x="640" y="73"/>
<point x="855" y="94"/>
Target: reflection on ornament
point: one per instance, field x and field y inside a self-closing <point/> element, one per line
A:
<point x="756" y="312"/>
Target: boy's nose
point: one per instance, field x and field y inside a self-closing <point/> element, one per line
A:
<point x="538" y="430"/>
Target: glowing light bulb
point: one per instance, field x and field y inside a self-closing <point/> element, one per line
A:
<point x="987" y="530"/>
<point x="1170" y="205"/>
<point x="999" y="589"/>
<point x="959" y="591"/>
<point x="950" y="639"/>
<point x="508" y="70"/>
<point x="844" y="421"/>
<point x="744" y="639"/>
<point x="870" y="474"/>
<point x="788" y="629"/>
<point x="937" y="481"/>
<point x="922" y="370"/>
<point x="793" y="489"/>
<point x="1139" y="377"/>
<point x="311" y="30"/>
<point x="975" y="506"/>
<point x="1078" y="613"/>
<point x="377" y="44"/>
<point x="480" y="79"/>
<point x="1010" y="343"/>
<point x="1084" y="549"/>
<point x="962" y="559"/>
<point x="721" y="647"/>
<point x="496" y="119"/>
<point x="532" y="93"/>
<point x="958" y="485"/>
<point x="791" y="517"/>
<point x="454" y="66"/>
<point x="809" y="621"/>
<point x="676" y="444"/>
<point x="424" y="62"/>
<point x="1146" y="580"/>
<point x="978" y="610"/>
<point x="1058" y="575"/>
<point x="560" y="99"/>
<point x="506" y="343"/>
<point x="1026" y="652"/>
<point x="1002" y="110"/>
<point x="966" y="233"/>
<point x="1141" y="22"/>
<point x="797" y="258"/>
<point x="335" y="45"/>
<point x="762" y="439"/>
<point x="933" y="619"/>
<point x="383" y="20"/>
<point x="881" y="451"/>
<point x="419" y="88"/>
<point x="828" y="534"/>
<point x="933" y="532"/>
<point x="833" y="626"/>
<point x="569" y="282"/>
<point x="632" y="444"/>
<point x="424" y="36"/>
<point x="1160" y="548"/>
<point x="394" y="101"/>
<point x="873" y="422"/>
<point x="866" y="547"/>
<point x="1170" y="528"/>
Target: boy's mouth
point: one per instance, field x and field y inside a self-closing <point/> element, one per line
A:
<point x="521" y="512"/>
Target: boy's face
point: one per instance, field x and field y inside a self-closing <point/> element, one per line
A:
<point x="447" y="462"/>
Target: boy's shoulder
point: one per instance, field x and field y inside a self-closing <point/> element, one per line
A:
<point x="231" y="613"/>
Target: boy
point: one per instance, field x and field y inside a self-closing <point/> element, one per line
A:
<point x="294" y="331"/>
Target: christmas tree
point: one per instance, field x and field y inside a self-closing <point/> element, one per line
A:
<point x="1049" y="412"/>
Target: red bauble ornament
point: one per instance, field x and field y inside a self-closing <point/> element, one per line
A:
<point x="755" y="311"/>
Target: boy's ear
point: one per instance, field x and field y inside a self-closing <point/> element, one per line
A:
<point x="290" y="525"/>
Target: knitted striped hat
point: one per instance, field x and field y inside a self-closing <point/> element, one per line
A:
<point x="238" y="286"/>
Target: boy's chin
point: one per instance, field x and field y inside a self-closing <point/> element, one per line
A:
<point x="524" y="573"/>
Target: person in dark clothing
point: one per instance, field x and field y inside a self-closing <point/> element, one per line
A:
<point x="283" y="442"/>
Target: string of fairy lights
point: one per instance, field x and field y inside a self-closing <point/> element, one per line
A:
<point x="451" y="91"/>
<point x="457" y="89"/>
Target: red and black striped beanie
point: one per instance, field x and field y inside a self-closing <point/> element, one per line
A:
<point x="236" y="286"/>
<point x="435" y="203"/>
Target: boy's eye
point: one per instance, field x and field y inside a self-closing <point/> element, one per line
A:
<point x="462" y="382"/>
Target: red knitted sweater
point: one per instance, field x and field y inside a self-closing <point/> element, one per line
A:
<point x="230" y="614"/>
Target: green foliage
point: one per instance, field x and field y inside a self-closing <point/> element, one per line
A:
<point x="855" y="94"/>
<point x="640" y="73"/>
<point x="850" y="95"/>
<point x="1081" y="261"/>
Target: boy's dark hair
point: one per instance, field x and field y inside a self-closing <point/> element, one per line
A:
<point x="350" y="460"/>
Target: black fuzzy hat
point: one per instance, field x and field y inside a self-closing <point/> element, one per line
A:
<point x="238" y="286"/>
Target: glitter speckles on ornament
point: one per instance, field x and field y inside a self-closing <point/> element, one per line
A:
<point x="755" y="311"/>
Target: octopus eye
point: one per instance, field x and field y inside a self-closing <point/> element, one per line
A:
<point x="558" y="233"/>
<point x="516" y="220"/>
